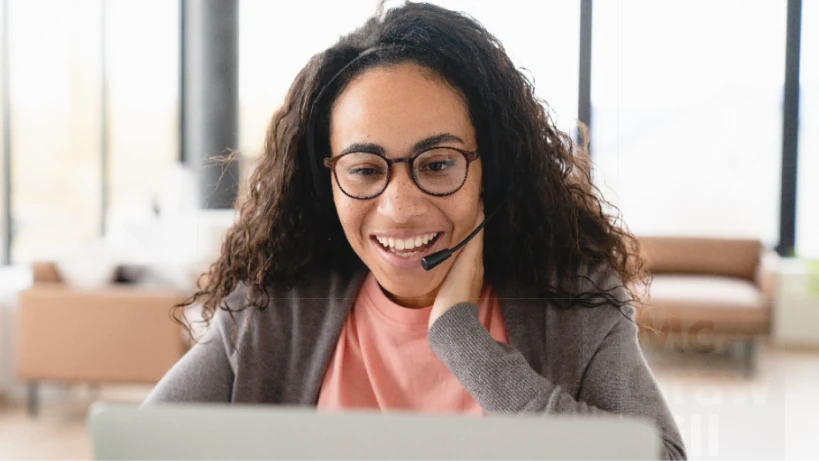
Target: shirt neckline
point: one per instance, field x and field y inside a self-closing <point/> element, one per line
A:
<point x="388" y="308"/>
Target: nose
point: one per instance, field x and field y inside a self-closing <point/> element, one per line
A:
<point x="402" y="200"/>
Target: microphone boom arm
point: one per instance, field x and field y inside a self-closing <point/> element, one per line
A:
<point x="429" y="262"/>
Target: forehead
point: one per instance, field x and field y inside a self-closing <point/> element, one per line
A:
<point x="396" y="106"/>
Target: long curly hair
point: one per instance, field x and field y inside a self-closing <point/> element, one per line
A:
<point x="554" y="222"/>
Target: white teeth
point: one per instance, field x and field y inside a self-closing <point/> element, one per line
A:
<point x="392" y="243"/>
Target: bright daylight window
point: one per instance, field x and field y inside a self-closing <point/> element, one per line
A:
<point x="687" y="114"/>
<point x="56" y="106"/>
<point x="807" y="194"/>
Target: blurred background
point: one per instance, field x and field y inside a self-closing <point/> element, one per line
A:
<point x="704" y="121"/>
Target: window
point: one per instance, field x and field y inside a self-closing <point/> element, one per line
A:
<point x="55" y="98"/>
<point x="3" y="185"/>
<point x="687" y="114"/>
<point x="56" y="85"/>
<point x="807" y="194"/>
<point x="143" y="105"/>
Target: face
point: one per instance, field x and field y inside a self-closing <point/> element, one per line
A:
<point x="396" y="109"/>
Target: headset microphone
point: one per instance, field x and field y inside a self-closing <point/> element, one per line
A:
<point x="429" y="262"/>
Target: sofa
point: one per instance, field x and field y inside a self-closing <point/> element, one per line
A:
<point x="705" y="290"/>
<point x="112" y="334"/>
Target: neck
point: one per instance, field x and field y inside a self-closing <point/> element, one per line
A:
<point x="413" y="302"/>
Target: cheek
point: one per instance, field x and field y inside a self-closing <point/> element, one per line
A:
<point x="474" y="182"/>
<point x="463" y="218"/>
<point x="351" y="213"/>
<point x="471" y="199"/>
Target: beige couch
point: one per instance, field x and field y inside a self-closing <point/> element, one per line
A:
<point x="117" y="334"/>
<point x="708" y="288"/>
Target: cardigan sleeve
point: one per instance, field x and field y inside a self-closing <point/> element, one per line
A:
<point x="617" y="380"/>
<point x="204" y="373"/>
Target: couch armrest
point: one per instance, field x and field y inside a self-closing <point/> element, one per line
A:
<point x="766" y="277"/>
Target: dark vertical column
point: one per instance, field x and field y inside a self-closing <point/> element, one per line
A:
<point x="210" y="73"/>
<point x="6" y="108"/>
<point x="584" y="87"/>
<point x="790" y="131"/>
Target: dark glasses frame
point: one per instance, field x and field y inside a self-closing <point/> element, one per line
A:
<point x="470" y="157"/>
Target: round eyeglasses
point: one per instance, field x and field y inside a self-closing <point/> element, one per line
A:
<point x="438" y="171"/>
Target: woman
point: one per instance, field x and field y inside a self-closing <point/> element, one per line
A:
<point x="389" y="147"/>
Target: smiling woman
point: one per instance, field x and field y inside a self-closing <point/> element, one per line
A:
<point x="388" y="148"/>
<point x="432" y="125"/>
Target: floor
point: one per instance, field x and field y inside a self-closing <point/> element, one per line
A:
<point x="722" y="414"/>
<point x="59" y="431"/>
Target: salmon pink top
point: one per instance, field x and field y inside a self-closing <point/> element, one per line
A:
<point x="383" y="358"/>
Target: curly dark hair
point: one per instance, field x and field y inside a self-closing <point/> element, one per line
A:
<point x="553" y="225"/>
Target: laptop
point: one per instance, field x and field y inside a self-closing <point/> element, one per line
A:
<point x="207" y="431"/>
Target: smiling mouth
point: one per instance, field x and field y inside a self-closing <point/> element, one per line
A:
<point x="408" y="247"/>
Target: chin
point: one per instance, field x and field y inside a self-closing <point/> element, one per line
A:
<point x="410" y="285"/>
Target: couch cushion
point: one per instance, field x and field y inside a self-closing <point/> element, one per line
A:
<point x="702" y="256"/>
<point x="720" y="304"/>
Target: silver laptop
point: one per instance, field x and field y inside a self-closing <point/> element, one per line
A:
<point x="274" y="432"/>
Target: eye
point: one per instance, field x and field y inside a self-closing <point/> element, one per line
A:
<point x="438" y="166"/>
<point x="361" y="165"/>
<point x="364" y="171"/>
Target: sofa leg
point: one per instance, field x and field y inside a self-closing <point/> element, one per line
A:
<point x="33" y="398"/>
<point x="749" y="347"/>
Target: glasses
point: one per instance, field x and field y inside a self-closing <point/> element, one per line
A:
<point x="439" y="171"/>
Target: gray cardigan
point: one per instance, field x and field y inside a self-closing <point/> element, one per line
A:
<point x="560" y="361"/>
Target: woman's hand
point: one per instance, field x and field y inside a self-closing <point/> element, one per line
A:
<point x="464" y="281"/>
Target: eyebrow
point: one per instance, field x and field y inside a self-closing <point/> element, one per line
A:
<point x="418" y="147"/>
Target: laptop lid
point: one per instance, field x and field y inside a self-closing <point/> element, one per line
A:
<point x="200" y="431"/>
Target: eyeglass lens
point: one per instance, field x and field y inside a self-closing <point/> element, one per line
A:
<point x="438" y="171"/>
